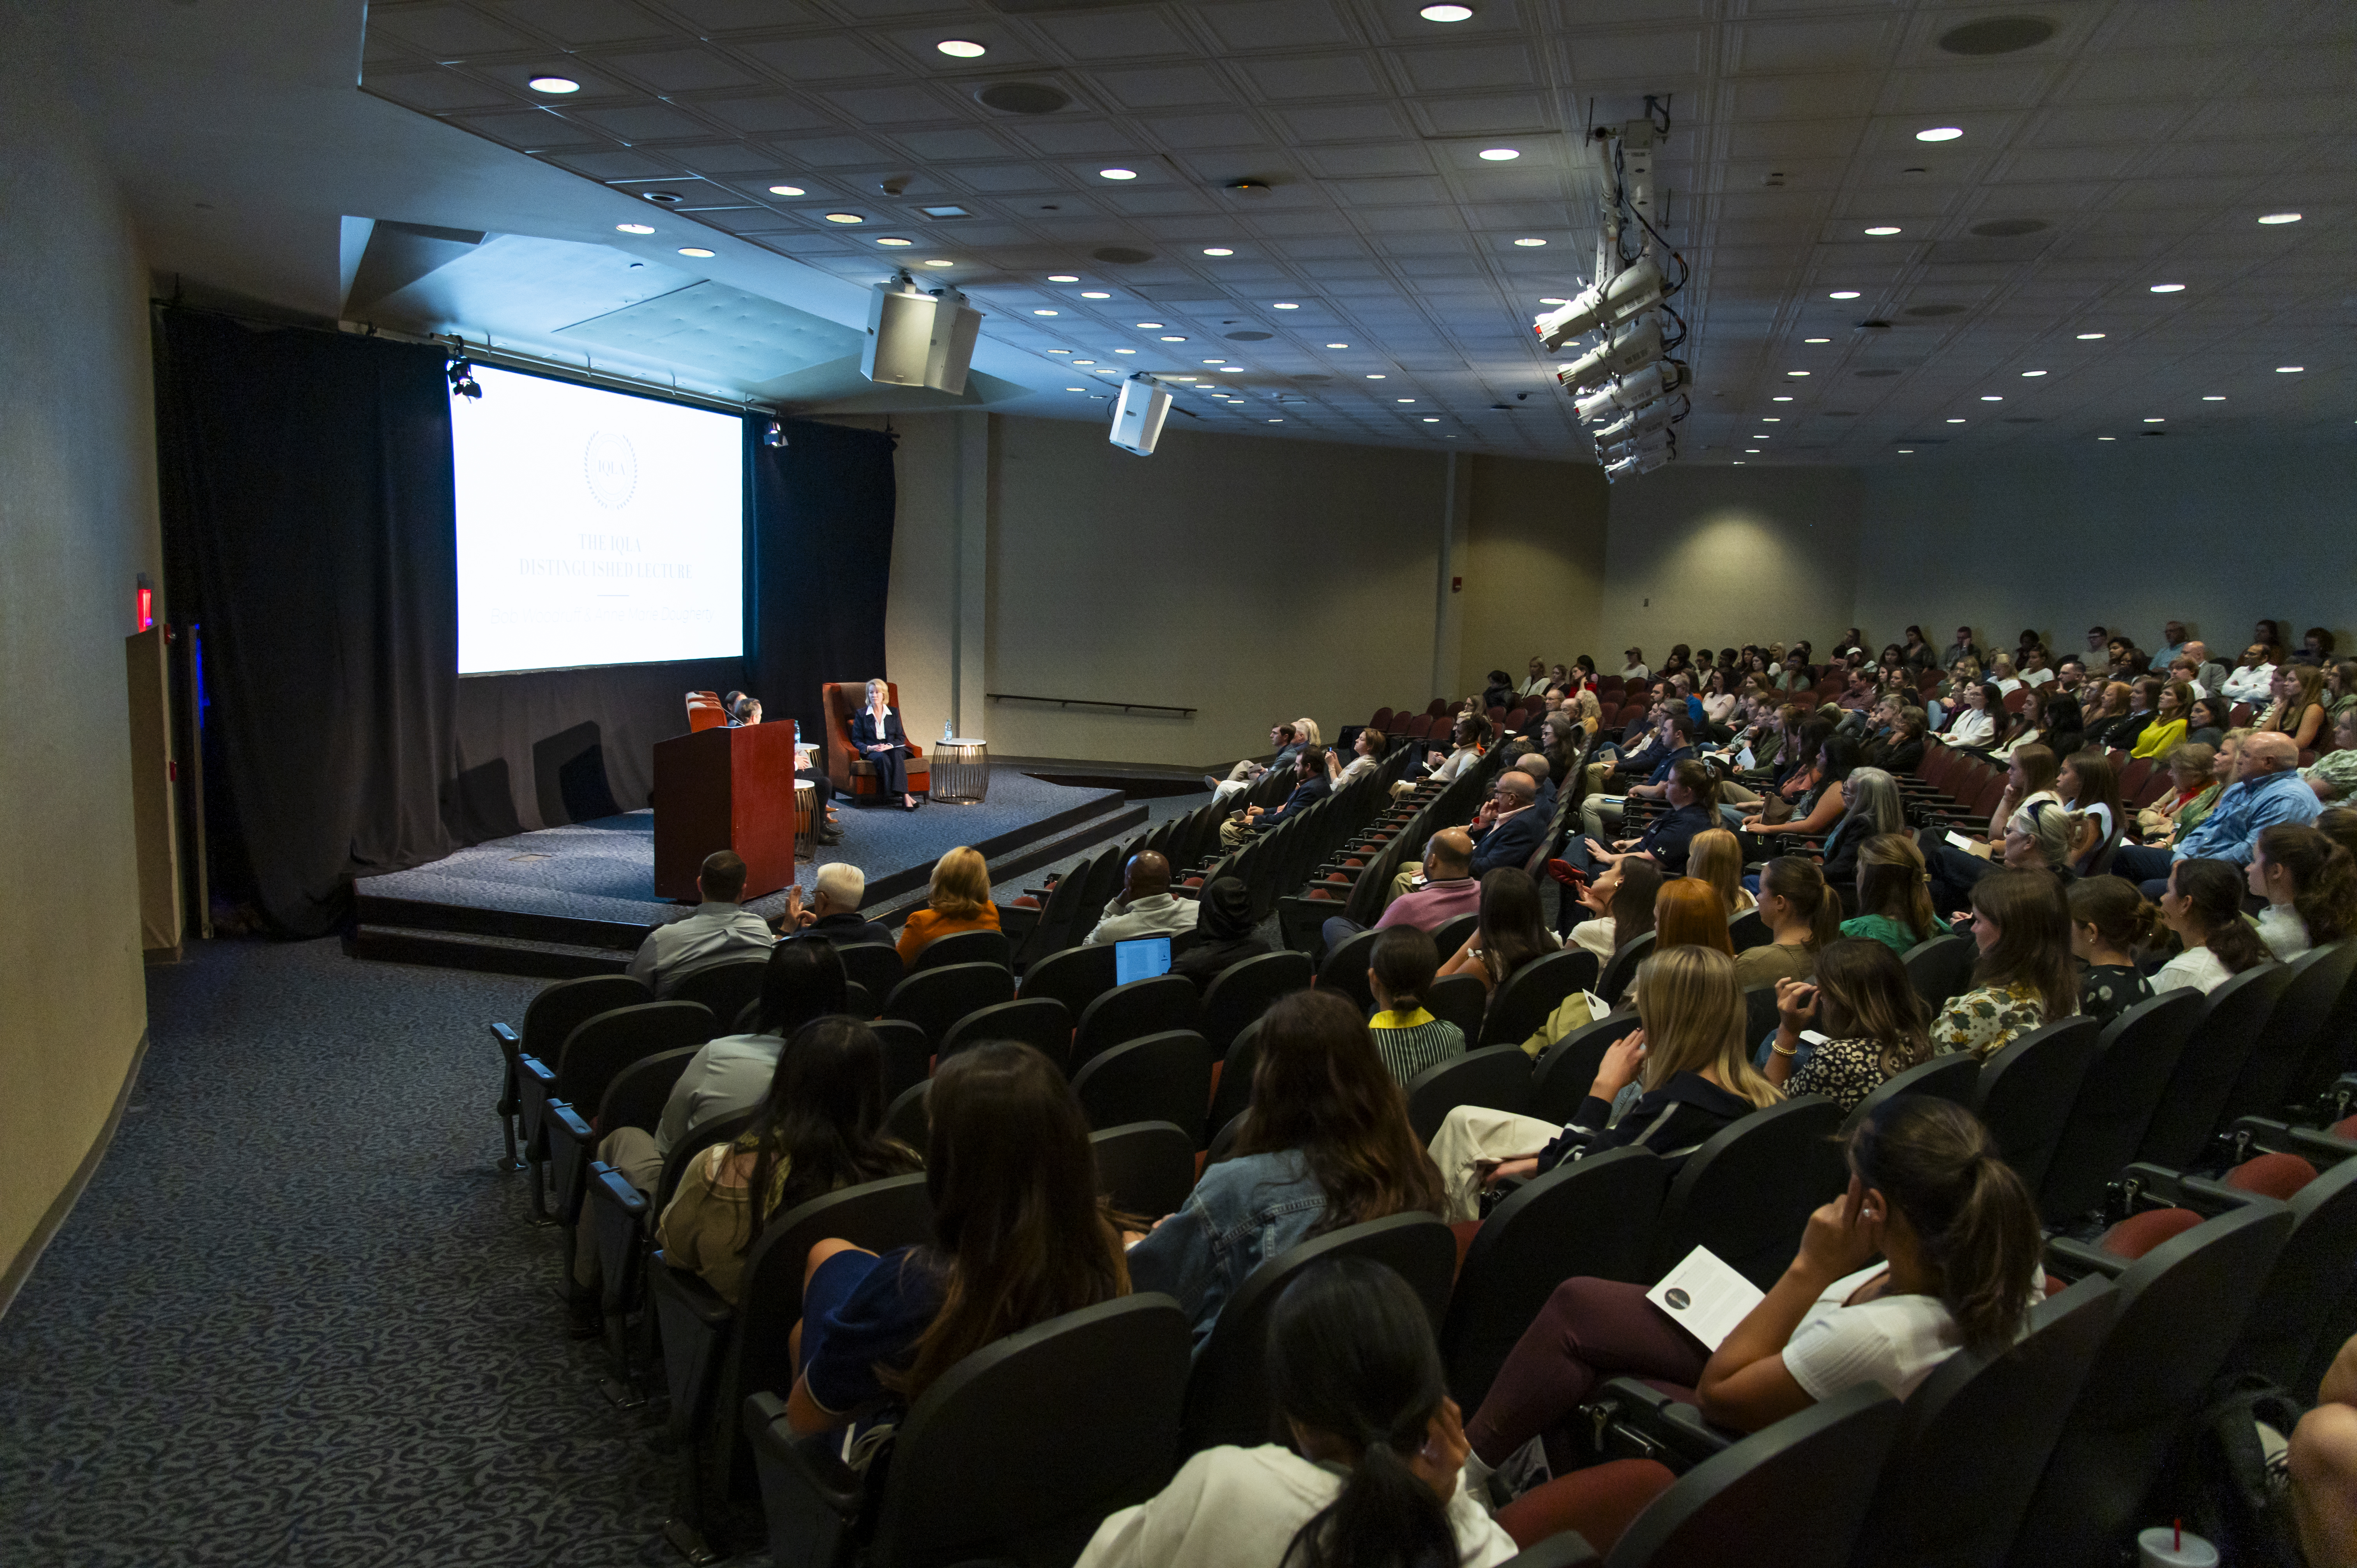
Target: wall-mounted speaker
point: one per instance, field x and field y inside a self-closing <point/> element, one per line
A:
<point x="1137" y="417"/>
<point x="918" y="339"/>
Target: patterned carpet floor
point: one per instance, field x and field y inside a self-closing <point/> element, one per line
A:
<point x="297" y="1319"/>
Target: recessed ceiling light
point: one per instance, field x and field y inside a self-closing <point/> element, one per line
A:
<point x="1063" y="277"/>
<point x="1084" y="361"/>
<point x="2168" y="288"/>
<point x="894" y="240"/>
<point x="1796" y="372"/>
<point x="2289" y="369"/>
<point x="1230" y="369"/>
<point x="1076" y="389"/>
<point x="1432" y="419"/>
<point x="2089" y="337"/>
<point x="2156" y="420"/>
<point x="938" y="262"/>
<point x="1780" y="400"/>
<point x="1991" y="397"/>
<point x="2107" y="438"/>
<point x="558" y="85"/>
<point x="1843" y="294"/>
<point x="1907" y="451"/>
<point x="1215" y="361"/>
<point x="2214" y="397"/>
<point x="844" y="218"/>
<point x="1149" y="325"/>
<point x="1816" y="339"/>
<point x="1955" y="422"/>
<point x="1043" y="313"/>
<point x="1217" y="251"/>
<point x="1124" y="350"/>
<point x="1446" y="13"/>
<point x="1277" y="421"/>
<point x="2027" y="374"/>
<point x="1059" y="351"/>
<point x="1167" y="337"/>
<point x="1182" y="377"/>
<point x="960" y="48"/>
<point x="1883" y="229"/>
<point x="1403" y="400"/>
<point x="1751" y="451"/>
<point x="2280" y="218"/>
<point x="1094" y="293"/>
<point x="1762" y="435"/>
<point x="1373" y="377"/>
<point x="1116" y="174"/>
<point x="1529" y="243"/>
<point x="1939" y="133"/>
<point x="1739" y="462"/>
<point x="635" y="228"/>
<point x="1769" y="419"/>
<point x="696" y="250"/>
<point x="1285" y="305"/>
<point x="1500" y="155"/>
<point x="786" y="190"/>
<point x="1337" y="345"/>
<point x="1554" y="302"/>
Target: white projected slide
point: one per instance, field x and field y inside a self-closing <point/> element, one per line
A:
<point x="594" y="527"/>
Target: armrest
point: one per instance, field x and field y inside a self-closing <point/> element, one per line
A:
<point x="1650" y="1425"/>
<point x="2211" y="1198"/>
<point x="612" y="1189"/>
<point x="2076" y="1260"/>
<point x="810" y="1497"/>
<point x="510" y="1047"/>
<point x="572" y="1145"/>
<point x="1017" y="921"/>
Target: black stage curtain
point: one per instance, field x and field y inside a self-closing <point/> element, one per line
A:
<point x="819" y="565"/>
<point x="306" y="484"/>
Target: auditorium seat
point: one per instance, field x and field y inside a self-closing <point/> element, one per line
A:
<point x="851" y="773"/>
<point x="1144" y="1169"/>
<point x="1161" y="1076"/>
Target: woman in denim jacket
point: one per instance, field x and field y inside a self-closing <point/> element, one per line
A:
<point x="1325" y="1144"/>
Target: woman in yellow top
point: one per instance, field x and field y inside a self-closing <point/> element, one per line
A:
<point x="2171" y="711"/>
<point x="960" y="902"/>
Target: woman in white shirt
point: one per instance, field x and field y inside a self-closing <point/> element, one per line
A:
<point x="1374" y="1477"/>
<point x="1976" y="726"/>
<point x="2311" y="885"/>
<point x="1366" y="751"/>
<point x="2002" y="677"/>
<point x="2203" y="905"/>
<point x="1929" y="1194"/>
<point x="1718" y="702"/>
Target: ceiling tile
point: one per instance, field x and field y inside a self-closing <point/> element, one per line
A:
<point x="966" y="143"/>
<point x="768" y="111"/>
<point x="1496" y="114"/>
<point x="676" y="70"/>
<point x="644" y="123"/>
<point x="1280" y="80"/>
<point x="1605" y="56"/>
<point x="1853" y="43"/>
<point x="1347" y="163"/>
<point x="1161" y="87"/>
<point x="439" y="91"/>
<point x="1203" y="130"/>
<point x="876" y="107"/>
<point x="1459" y="69"/>
<point x="532" y="132"/>
<point x="1355" y="122"/>
<point x="831" y="152"/>
<point x="1070" y="138"/>
<point x="817" y="59"/>
<point x="993" y="180"/>
<point x="1135" y="34"/>
<point x="1274" y="24"/>
<point x="446" y="32"/>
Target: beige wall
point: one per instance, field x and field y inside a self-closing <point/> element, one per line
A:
<point x="77" y="523"/>
<point x="1534" y="582"/>
<point x="1700" y="554"/>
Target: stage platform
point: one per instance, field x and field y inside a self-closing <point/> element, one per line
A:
<point x="579" y="899"/>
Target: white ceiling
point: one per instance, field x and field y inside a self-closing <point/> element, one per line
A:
<point x="2146" y="137"/>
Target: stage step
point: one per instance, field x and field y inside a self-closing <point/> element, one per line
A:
<point x="502" y="955"/>
<point x="1103" y="828"/>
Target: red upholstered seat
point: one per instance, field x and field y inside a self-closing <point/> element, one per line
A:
<point x="2140" y="1233"/>
<point x="1464" y="1230"/>
<point x="1319" y="892"/>
<point x="1193" y="882"/>
<point x="1025" y="901"/>
<point x="1600" y="1502"/>
<point x="2345" y="1128"/>
<point x="2273" y="1175"/>
<point x="1337" y="876"/>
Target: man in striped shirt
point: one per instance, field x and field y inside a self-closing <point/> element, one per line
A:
<point x="1408" y="1038"/>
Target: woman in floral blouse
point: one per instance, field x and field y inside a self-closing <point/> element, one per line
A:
<point x="2024" y="979"/>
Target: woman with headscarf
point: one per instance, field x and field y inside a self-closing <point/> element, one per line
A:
<point x="1224" y="933"/>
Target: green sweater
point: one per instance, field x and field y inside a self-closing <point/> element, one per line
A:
<point x="1896" y="935"/>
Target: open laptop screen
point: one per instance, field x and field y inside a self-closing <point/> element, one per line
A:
<point x="1141" y="959"/>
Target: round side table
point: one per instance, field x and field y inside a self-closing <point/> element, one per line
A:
<point x="960" y="772"/>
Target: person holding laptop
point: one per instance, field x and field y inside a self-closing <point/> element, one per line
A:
<point x="1144" y="907"/>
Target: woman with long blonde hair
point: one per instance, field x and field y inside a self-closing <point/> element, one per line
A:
<point x="960" y="901"/>
<point x="1715" y="856"/>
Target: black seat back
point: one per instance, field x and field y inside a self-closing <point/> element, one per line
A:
<point x="1614" y="983"/>
<point x="1232" y="1092"/>
<point x="1133" y="1011"/>
<point x="1144" y="1168"/>
<point x="1793" y="1496"/>
<point x="559" y="1009"/>
<point x="877" y="1215"/>
<point x="964" y="947"/>
<point x="1344" y="968"/>
<point x="1041" y="1023"/>
<point x="728" y="987"/>
<point x="1163" y="1077"/>
<point x="1955" y="1076"/>
<point x="1496" y="1077"/>
<point x="2305" y="1309"/>
<point x="1054" y="930"/>
<point x="1748" y="930"/>
<point x="1243" y="992"/>
<point x="636" y="1095"/>
<point x="2276" y="1063"/>
<point x="1758" y="1013"/>
<point x="1584" y="1218"/>
<point x="1939" y="967"/>
<point x="1450" y="934"/>
<point x="2027" y="1089"/>
<point x="2333" y="1051"/>
<point x="1074" y="976"/>
<point x="1747" y="1193"/>
<point x="1227" y="1397"/>
<point x="1459" y="999"/>
<point x="1560" y="1080"/>
<point x="908" y="1054"/>
<point x="2222" y="1041"/>
<point x="2182" y="1307"/>
<point x="2136" y="1054"/>
<point x="906" y="1118"/>
<point x="1533" y="992"/>
<point x="1973" y="1435"/>
<point x="935" y="999"/>
<point x="873" y="966"/>
<point x="601" y="1047"/>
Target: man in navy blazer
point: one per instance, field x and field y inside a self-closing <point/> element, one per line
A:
<point x="1310" y="786"/>
<point x="1516" y="830"/>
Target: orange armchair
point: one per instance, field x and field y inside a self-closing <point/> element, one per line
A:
<point x="849" y="772"/>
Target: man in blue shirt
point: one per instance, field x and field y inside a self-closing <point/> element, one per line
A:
<point x="1598" y="817"/>
<point x="2268" y="790"/>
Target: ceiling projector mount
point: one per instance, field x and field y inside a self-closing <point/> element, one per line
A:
<point x="1625" y="381"/>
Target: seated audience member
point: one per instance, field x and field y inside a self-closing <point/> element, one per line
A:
<point x="1901" y="751"/>
<point x="1674" y="743"/>
<point x="2001" y="675"/>
<point x="1535" y="684"/>
<point x="1020" y="1236"/>
<point x="1325" y="1144"/>
<point x="1434" y="890"/>
<point x="1374" y="1477"/>
<point x="1962" y="648"/>
<point x="719" y="929"/>
<point x="1144" y="907"/>
<point x="1366" y="750"/>
<point x="960" y="901"/>
<point x="1717" y="698"/>
<point x="2268" y="790"/>
<point x="1512" y="931"/>
<point x="2109" y="921"/>
<point x="2322" y="1462"/>
<point x="1876" y="805"/>
<point x="2090" y="787"/>
<point x="1516" y="826"/>
<point x="1821" y="805"/>
<point x="1974" y="725"/>
<point x="832" y="913"/>
<point x="2071" y="675"/>
<point x="1693" y="809"/>
<point x="1802" y="915"/>
<point x="1894" y="896"/>
<point x="2315" y="648"/>
<point x="2311" y="885"/>
<point x="1224" y="934"/>
<point x="1687" y="913"/>
<point x="1689" y="1054"/>
<point x="2208" y="719"/>
<point x="1873" y="1023"/>
<point x="1500" y="691"/>
<point x="1242" y="776"/>
<point x="2340" y="686"/>
<point x="2173" y="713"/>
<point x="2299" y="708"/>
<point x="1919" y="654"/>
<point x="2023" y="978"/>
<point x="2252" y="680"/>
<point x="1619" y="904"/>
<point x="2338" y="823"/>
<point x="2201" y="901"/>
<point x="2208" y="673"/>
<point x="1713" y="856"/>
<point x="1930" y="1194"/>
<point x="1634" y="669"/>
<point x="1533" y="765"/>
<point x="1407" y="1037"/>
<point x="1465" y="737"/>
<point x="1310" y="786"/>
<point x="2033" y="668"/>
<point x="821" y="1129"/>
<point x="2193" y="789"/>
<point x="2126" y="661"/>
<point x="2333" y="775"/>
<point x="745" y="710"/>
<point x="2172" y="642"/>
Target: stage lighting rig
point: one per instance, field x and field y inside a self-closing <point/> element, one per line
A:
<point x="773" y="434"/>
<point x="1624" y="380"/>
<point x="462" y="378"/>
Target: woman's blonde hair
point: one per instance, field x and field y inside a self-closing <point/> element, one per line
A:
<point x="1590" y="710"/>
<point x="961" y="884"/>
<point x="879" y="684"/>
<point x="1306" y="731"/>
<point x="1713" y="856"/>
<point x="1692" y="1009"/>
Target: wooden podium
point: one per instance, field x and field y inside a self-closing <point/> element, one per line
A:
<point x="724" y="788"/>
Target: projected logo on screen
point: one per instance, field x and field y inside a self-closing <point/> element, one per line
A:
<point x="611" y="467"/>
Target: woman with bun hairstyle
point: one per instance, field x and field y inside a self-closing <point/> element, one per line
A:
<point x="1372" y="1476"/>
<point x="2109" y="921"/>
<point x="2311" y="887"/>
<point x="2203" y="905"/>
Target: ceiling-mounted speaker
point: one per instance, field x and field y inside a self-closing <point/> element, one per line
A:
<point x="918" y="339"/>
<point x="1137" y="417"/>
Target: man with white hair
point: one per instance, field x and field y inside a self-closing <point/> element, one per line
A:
<point x="2268" y="790"/>
<point x="833" y="909"/>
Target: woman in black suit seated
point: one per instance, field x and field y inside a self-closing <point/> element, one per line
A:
<point x="876" y="731"/>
